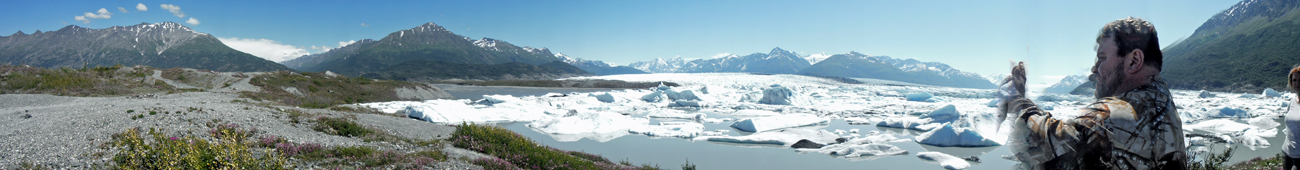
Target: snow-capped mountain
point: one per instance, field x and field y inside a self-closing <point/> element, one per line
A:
<point x="598" y="67"/>
<point x="425" y="42"/>
<point x="1067" y="84"/>
<point x="777" y="61"/>
<point x="163" y="45"/>
<point x="814" y="58"/>
<point x="858" y="65"/>
<point x="995" y="78"/>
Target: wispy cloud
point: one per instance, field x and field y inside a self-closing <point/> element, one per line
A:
<point x="175" y="10"/>
<point x="123" y="10"/>
<point x="101" y="14"/>
<point x="364" y="24"/>
<point x="721" y="55"/>
<point x="141" y="7"/>
<point x="346" y="43"/>
<point x="265" y="48"/>
<point x="193" y="21"/>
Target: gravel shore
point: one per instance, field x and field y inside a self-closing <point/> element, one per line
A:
<point x="70" y="132"/>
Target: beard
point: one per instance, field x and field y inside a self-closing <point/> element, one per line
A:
<point x="1108" y="88"/>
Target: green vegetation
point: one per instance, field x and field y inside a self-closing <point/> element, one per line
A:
<point x="98" y="81"/>
<point x="317" y="90"/>
<point x="1253" y="55"/>
<point x="516" y="151"/>
<point x="341" y="127"/>
<point x="160" y="152"/>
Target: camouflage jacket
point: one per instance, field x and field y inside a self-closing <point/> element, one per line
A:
<point x="1139" y="129"/>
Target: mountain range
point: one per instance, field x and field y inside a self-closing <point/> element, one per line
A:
<point x="852" y="64"/>
<point x="162" y="45"/>
<point x="1245" y="48"/>
<point x="777" y="61"/>
<point x="858" y="65"/>
<point x="1067" y="84"/>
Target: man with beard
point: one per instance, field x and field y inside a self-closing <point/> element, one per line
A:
<point x="1132" y="125"/>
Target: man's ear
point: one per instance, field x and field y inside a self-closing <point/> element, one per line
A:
<point x="1134" y="61"/>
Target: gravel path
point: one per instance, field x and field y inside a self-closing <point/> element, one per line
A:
<point x="67" y="132"/>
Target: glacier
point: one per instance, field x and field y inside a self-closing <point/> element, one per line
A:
<point x="779" y="110"/>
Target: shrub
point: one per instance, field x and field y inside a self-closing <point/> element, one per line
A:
<point x="136" y="152"/>
<point x="341" y="127"/>
<point x="515" y="149"/>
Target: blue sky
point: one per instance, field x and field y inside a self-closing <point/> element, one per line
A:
<point x="1055" y="38"/>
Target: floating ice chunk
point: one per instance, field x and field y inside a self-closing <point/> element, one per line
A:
<point x="1226" y="111"/>
<point x="869" y="151"/>
<point x="945" y="160"/>
<point x="1206" y="94"/>
<point x="785" y="137"/>
<point x="946" y="113"/>
<point x="1248" y="96"/>
<point x="919" y="96"/>
<point x="840" y="131"/>
<point x="1252" y="141"/>
<point x="670" y="129"/>
<point x="684" y="103"/>
<point x="683" y="95"/>
<point x="1218" y="126"/>
<point x="496" y="99"/>
<point x="993" y="103"/>
<point x="754" y="113"/>
<point x="588" y="123"/>
<point x="913" y="123"/>
<point x="853" y="130"/>
<point x="454" y="111"/>
<point x="948" y="136"/>
<point x="655" y="96"/>
<point x="776" y="95"/>
<point x="777" y="122"/>
<point x="1269" y="92"/>
<point x="605" y="97"/>
<point x="674" y="114"/>
<point x="857" y="120"/>
<point x="716" y="120"/>
<point x="1263" y="123"/>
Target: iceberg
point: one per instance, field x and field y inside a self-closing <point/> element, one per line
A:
<point x="453" y="111"/>
<point x="919" y="96"/>
<point x="1218" y="126"/>
<point x="754" y="113"/>
<point x="946" y="113"/>
<point x="948" y="136"/>
<point x="777" y="95"/>
<point x="945" y="160"/>
<point x="1206" y="94"/>
<point x="670" y="129"/>
<point x="606" y="97"/>
<point x="777" y="122"/>
<point x="1269" y="92"/>
<point x="785" y="137"/>
<point x="868" y="151"/>
<point x="913" y="123"/>
<point x="588" y="122"/>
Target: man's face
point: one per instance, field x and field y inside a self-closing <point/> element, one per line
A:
<point x="1108" y="69"/>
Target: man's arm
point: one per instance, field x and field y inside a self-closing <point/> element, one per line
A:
<point x="1037" y="138"/>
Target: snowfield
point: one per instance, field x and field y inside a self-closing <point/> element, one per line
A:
<point x="779" y="110"/>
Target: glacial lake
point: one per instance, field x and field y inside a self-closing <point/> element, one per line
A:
<point x="671" y="153"/>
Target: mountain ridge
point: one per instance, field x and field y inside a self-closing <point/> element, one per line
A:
<point x="162" y="45"/>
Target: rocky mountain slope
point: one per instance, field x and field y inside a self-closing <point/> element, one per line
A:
<point x="598" y="67"/>
<point x="778" y="61"/>
<point x="162" y="45"/>
<point x="858" y="65"/>
<point x="1246" y="48"/>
